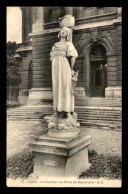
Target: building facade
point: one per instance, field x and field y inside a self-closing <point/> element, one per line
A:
<point x="97" y="36"/>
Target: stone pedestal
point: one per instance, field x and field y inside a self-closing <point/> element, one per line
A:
<point x="38" y="26"/>
<point x="23" y="97"/>
<point x="61" y="157"/>
<point x="118" y="92"/>
<point x="80" y="96"/>
<point x="113" y="92"/>
<point x="38" y="96"/>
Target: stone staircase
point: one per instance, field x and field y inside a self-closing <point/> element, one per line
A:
<point x="103" y="102"/>
<point x="100" y="117"/>
<point x="90" y="116"/>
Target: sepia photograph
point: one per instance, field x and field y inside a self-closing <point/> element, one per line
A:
<point x="64" y="96"/>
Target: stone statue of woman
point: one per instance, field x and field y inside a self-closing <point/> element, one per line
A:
<point x="62" y="72"/>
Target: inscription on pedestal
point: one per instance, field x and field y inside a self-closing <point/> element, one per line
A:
<point x="49" y="163"/>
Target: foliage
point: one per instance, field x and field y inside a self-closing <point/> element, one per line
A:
<point x="13" y="66"/>
<point x="103" y="166"/>
<point x="11" y="48"/>
<point x="21" y="165"/>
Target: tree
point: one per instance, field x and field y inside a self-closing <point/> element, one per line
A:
<point x="13" y="66"/>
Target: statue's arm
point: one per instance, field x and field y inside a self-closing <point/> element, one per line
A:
<point x="73" y="59"/>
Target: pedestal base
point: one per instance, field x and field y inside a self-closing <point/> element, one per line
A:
<point x="38" y="26"/>
<point x="39" y="96"/>
<point x="113" y="92"/>
<point x="23" y="97"/>
<point x="80" y="96"/>
<point x="61" y="157"/>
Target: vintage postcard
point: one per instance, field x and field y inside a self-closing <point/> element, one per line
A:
<point x="64" y="103"/>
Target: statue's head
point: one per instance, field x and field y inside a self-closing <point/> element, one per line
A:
<point x="64" y="32"/>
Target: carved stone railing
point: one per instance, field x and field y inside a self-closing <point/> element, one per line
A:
<point x="96" y="18"/>
<point x="51" y="25"/>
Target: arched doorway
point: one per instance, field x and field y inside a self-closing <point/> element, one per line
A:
<point x="98" y="70"/>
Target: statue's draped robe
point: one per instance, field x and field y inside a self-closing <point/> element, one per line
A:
<point x="61" y="76"/>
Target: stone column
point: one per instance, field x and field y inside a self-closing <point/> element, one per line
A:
<point x="68" y="10"/>
<point x="119" y="58"/>
<point x="38" y="25"/>
<point x="55" y="14"/>
<point x="30" y="20"/>
<point x="79" y="12"/>
<point x="111" y="75"/>
<point x="108" y="9"/>
<point x="94" y="11"/>
<point x="23" y="22"/>
<point x="119" y="11"/>
<point x="112" y="9"/>
<point x="33" y="14"/>
<point x="27" y="23"/>
<point x="41" y="91"/>
<point x="111" y="69"/>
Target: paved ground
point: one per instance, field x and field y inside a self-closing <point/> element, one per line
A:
<point x="20" y="133"/>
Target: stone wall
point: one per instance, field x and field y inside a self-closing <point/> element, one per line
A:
<point x="41" y="61"/>
<point x="26" y="59"/>
<point x="110" y="38"/>
<point x="25" y="79"/>
<point x="119" y="53"/>
<point x="42" y="45"/>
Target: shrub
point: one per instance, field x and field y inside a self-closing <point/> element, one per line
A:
<point x="103" y="166"/>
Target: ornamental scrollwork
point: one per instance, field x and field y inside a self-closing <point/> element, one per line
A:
<point x="79" y="41"/>
<point x="110" y="38"/>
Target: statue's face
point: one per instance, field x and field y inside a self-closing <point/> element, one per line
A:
<point x="63" y="33"/>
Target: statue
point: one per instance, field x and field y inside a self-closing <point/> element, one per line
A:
<point x="64" y="81"/>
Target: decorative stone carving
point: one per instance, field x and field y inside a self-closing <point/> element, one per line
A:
<point x="80" y="40"/>
<point x="67" y="126"/>
<point x="109" y="38"/>
<point x="97" y="18"/>
<point x="94" y="34"/>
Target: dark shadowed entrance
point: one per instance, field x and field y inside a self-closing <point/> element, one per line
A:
<point x="98" y="70"/>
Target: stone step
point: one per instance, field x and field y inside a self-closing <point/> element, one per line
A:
<point x="98" y="99"/>
<point x="100" y="121"/>
<point x="78" y="111"/>
<point x="105" y="125"/>
<point x="104" y="105"/>
<point x="99" y="112"/>
<point x="83" y="117"/>
<point x="81" y="114"/>
<point x="95" y="111"/>
<point x="28" y="119"/>
<point x="23" y="117"/>
<point x="100" y="115"/>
